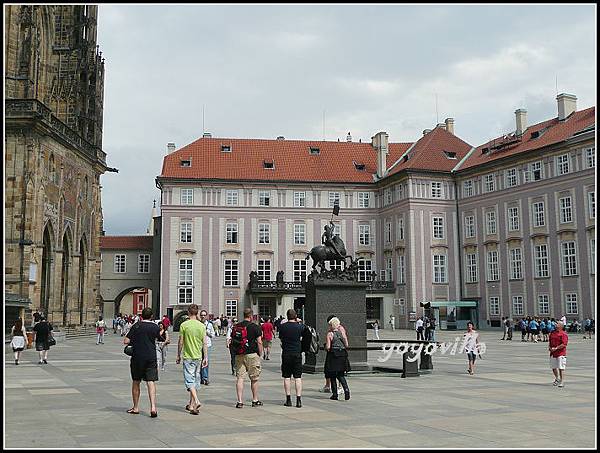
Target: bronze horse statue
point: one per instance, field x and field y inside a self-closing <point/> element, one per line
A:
<point x="322" y="253"/>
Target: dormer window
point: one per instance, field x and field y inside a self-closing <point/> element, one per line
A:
<point x="268" y="164"/>
<point x="485" y="150"/>
<point x="225" y="148"/>
<point x="450" y="154"/>
<point x="359" y="166"/>
<point x="314" y="151"/>
<point x="405" y="158"/>
<point x="186" y="162"/>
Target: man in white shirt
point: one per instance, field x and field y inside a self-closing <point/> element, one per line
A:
<point x="419" y="329"/>
<point x="393" y="322"/>
<point x="210" y="333"/>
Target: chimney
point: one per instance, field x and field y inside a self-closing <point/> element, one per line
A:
<point x="441" y="125"/>
<point x="380" y="143"/>
<point x="449" y="125"/>
<point x="426" y="131"/>
<point x="349" y="137"/>
<point x="207" y="135"/>
<point x="521" y="118"/>
<point x="170" y="147"/>
<point x="567" y="104"/>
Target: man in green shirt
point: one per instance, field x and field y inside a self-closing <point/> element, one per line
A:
<point x="193" y="343"/>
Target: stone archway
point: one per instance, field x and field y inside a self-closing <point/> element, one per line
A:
<point x="64" y="279"/>
<point x="46" y="271"/>
<point x="82" y="268"/>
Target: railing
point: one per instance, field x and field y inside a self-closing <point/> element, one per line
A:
<point x="32" y="108"/>
<point x="375" y="285"/>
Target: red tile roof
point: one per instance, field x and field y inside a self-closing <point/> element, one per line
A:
<point x="553" y="131"/>
<point x="292" y="160"/>
<point x="126" y="242"/>
<point x="428" y="152"/>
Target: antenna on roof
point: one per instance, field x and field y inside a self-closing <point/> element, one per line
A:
<point x="203" y="119"/>
<point x="323" y="124"/>
<point x="437" y="116"/>
<point x="556" y="85"/>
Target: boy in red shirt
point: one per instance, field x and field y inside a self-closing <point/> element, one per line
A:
<point x="267" y="330"/>
<point x="557" y="345"/>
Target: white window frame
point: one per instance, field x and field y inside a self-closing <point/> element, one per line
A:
<point x="300" y="271"/>
<point x="517" y="305"/>
<point x="543" y="304"/>
<point x="542" y="261"/>
<point x="592" y="205"/>
<point x="513" y="218"/>
<point x="469" y="226"/>
<point x="516" y="263"/>
<point x="231" y="308"/>
<point x="571" y="298"/>
<point x="186" y="196"/>
<point x="489" y="182"/>
<point x="185" y="282"/>
<point x="494" y="306"/>
<point x="263" y="269"/>
<point x="566" y="209"/>
<point x="365" y="269"/>
<point x="491" y="223"/>
<point x="401" y="229"/>
<point x="299" y="234"/>
<point x="364" y="234"/>
<point x="592" y="243"/>
<point x="563" y="166"/>
<point x="471" y="265"/>
<point x="512" y="177"/>
<point x="388" y="269"/>
<point x="264" y="233"/>
<point x="231" y="233"/>
<point x="468" y="188"/>
<point x="440" y="272"/>
<point x="436" y="189"/>
<point x="569" y="258"/>
<point x="264" y="198"/>
<point x="333" y="197"/>
<point x="590" y="154"/>
<point x="185" y="232"/>
<point x="539" y="214"/>
<point x="120" y="264"/>
<point x="232" y="197"/>
<point x="493" y="268"/>
<point x="364" y="199"/>
<point x="388" y="232"/>
<point x="143" y="263"/>
<point x="299" y="199"/>
<point x="401" y="270"/>
<point x="388" y="196"/>
<point x="231" y="272"/>
<point x="532" y="169"/>
<point x="438" y="227"/>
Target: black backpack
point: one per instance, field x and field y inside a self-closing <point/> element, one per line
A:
<point x="310" y="340"/>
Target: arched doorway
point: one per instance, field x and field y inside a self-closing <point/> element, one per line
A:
<point x="82" y="261"/>
<point x="64" y="280"/>
<point x="46" y="270"/>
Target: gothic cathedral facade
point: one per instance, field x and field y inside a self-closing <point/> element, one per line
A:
<point x="54" y="85"/>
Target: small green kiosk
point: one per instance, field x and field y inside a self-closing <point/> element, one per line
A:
<point x="454" y="314"/>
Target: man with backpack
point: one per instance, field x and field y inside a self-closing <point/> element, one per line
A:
<point x="292" y="334"/>
<point x="246" y="341"/>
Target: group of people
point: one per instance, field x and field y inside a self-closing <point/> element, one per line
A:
<point x="248" y="343"/>
<point x="425" y="328"/>
<point x="42" y="337"/>
<point x="536" y="329"/>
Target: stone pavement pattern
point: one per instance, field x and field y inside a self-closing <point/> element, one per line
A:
<point x="80" y="397"/>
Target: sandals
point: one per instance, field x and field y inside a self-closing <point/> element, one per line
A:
<point x="131" y="411"/>
<point x="153" y="414"/>
<point x="256" y="403"/>
<point x="239" y="405"/>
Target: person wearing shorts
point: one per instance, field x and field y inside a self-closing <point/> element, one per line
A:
<point x="143" y="365"/>
<point x="291" y="334"/>
<point x="267" y="338"/>
<point x="471" y="346"/>
<point x="249" y="362"/>
<point x="193" y="341"/>
<point x="557" y="346"/>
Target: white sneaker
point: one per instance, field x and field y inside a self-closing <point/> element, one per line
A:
<point x="561" y="384"/>
<point x="556" y="381"/>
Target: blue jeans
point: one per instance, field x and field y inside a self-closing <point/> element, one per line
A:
<point x="204" y="371"/>
<point x="191" y="373"/>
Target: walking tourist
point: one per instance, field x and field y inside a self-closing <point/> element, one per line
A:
<point x="392" y="322"/>
<point x="42" y="333"/>
<point x="336" y="344"/>
<point x="327" y="387"/>
<point x="100" y="329"/>
<point x="533" y="328"/>
<point x="509" y="328"/>
<point x="19" y="338"/>
<point x="161" y="345"/>
<point x="291" y="334"/>
<point x="210" y="333"/>
<point x="224" y="325"/>
<point x="228" y="343"/>
<point x="246" y="341"/>
<point x="471" y="346"/>
<point x="166" y="322"/>
<point x="432" y="326"/>
<point x="557" y="345"/>
<point x="143" y="364"/>
<point x="376" y="329"/>
<point x="419" y="328"/>
<point x="523" y="327"/>
<point x="217" y="326"/>
<point x="193" y="343"/>
<point x="504" y="329"/>
<point x="267" y="338"/>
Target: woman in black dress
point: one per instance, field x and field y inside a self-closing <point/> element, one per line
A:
<point x="337" y="358"/>
<point x="42" y="335"/>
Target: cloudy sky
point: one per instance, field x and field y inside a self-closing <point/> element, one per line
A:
<point x="262" y="71"/>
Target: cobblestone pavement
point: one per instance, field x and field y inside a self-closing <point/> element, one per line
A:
<point x="80" y="397"/>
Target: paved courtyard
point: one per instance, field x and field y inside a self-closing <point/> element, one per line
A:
<point x="79" y="400"/>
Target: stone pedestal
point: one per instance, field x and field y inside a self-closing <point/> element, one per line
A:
<point x="346" y="299"/>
